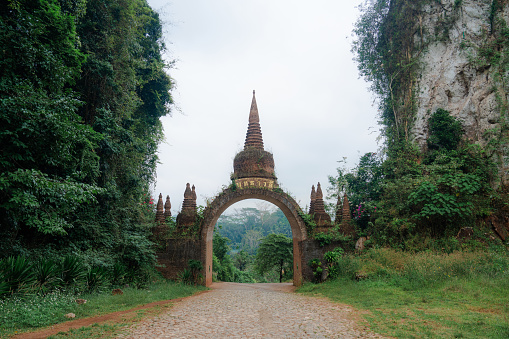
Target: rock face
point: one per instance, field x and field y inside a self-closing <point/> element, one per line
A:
<point x="448" y="78"/>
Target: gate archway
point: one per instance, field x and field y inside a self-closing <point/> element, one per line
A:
<point x="230" y="196"/>
<point x="253" y="178"/>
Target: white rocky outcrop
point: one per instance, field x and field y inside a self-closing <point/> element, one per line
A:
<point x="449" y="80"/>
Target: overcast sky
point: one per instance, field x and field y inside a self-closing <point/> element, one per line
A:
<point x="314" y="110"/>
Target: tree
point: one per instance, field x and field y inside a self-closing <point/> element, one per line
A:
<point x="241" y="259"/>
<point x="275" y="253"/>
<point x="363" y="185"/>
<point x="222" y="262"/>
<point x="47" y="159"/>
<point x="445" y="131"/>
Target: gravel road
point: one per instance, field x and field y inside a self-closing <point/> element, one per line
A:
<point x="233" y="310"/>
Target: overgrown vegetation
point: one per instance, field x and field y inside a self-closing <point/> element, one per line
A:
<point x="462" y="294"/>
<point x="241" y="258"/>
<point x="21" y="276"/>
<point x="409" y="196"/>
<point x="82" y="87"/>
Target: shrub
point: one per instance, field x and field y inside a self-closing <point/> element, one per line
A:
<point x="316" y="267"/>
<point x="186" y="276"/>
<point x="46" y="274"/>
<point x="96" y="279"/>
<point x="444" y="131"/>
<point x="72" y="271"/>
<point x="17" y="275"/>
<point x="118" y="274"/>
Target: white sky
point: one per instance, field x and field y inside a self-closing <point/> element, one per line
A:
<point x="296" y="55"/>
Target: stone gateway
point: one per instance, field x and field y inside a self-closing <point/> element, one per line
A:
<point x="253" y="178"/>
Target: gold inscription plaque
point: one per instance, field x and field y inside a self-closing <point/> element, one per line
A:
<point x="255" y="183"/>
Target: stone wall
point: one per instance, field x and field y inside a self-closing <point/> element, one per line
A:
<point x="311" y="250"/>
<point x="176" y="256"/>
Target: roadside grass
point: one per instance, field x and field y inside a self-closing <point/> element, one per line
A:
<point x="109" y="329"/>
<point x="426" y="295"/>
<point x="92" y="332"/>
<point x="31" y="312"/>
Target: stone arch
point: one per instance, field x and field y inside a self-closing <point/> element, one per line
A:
<point x="228" y="197"/>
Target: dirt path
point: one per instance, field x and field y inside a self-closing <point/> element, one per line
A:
<point x="233" y="310"/>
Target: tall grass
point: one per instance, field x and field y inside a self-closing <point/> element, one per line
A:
<point x="422" y="269"/>
<point x="433" y="295"/>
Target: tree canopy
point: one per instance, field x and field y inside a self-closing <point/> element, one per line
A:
<point x="82" y="87"/>
<point x="275" y="253"/>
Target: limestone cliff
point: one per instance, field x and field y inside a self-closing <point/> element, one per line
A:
<point x="452" y="79"/>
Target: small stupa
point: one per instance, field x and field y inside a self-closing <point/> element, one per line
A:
<point x="339" y="211"/>
<point x="322" y="218"/>
<point x="160" y="218"/>
<point x="347" y="227"/>
<point x="187" y="215"/>
<point x="167" y="208"/>
<point x="313" y="200"/>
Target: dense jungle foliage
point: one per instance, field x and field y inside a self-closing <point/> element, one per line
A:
<point x="82" y="88"/>
<point x="253" y="245"/>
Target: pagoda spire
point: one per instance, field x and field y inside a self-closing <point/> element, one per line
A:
<point x="254" y="133"/>
<point x="193" y="195"/>
<point x="188" y="199"/>
<point x="167" y="208"/>
<point x="160" y="209"/>
<point x="347" y="227"/>
<point x="313" y="200"/>
<point x="319" y="205"/>
<point x="322" y="219"/>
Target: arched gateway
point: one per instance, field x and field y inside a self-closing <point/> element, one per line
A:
<point x="253" y="178"/>
<point x="229" y="197"/>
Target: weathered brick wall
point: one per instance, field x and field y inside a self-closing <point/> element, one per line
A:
<point x="311" y="250"/>
<point x="176" y="256"/>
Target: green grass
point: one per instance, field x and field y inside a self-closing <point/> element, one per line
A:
<point x="27" y="313"/>
<point x="92" y="331"/>
<point x="461" y="295"/>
